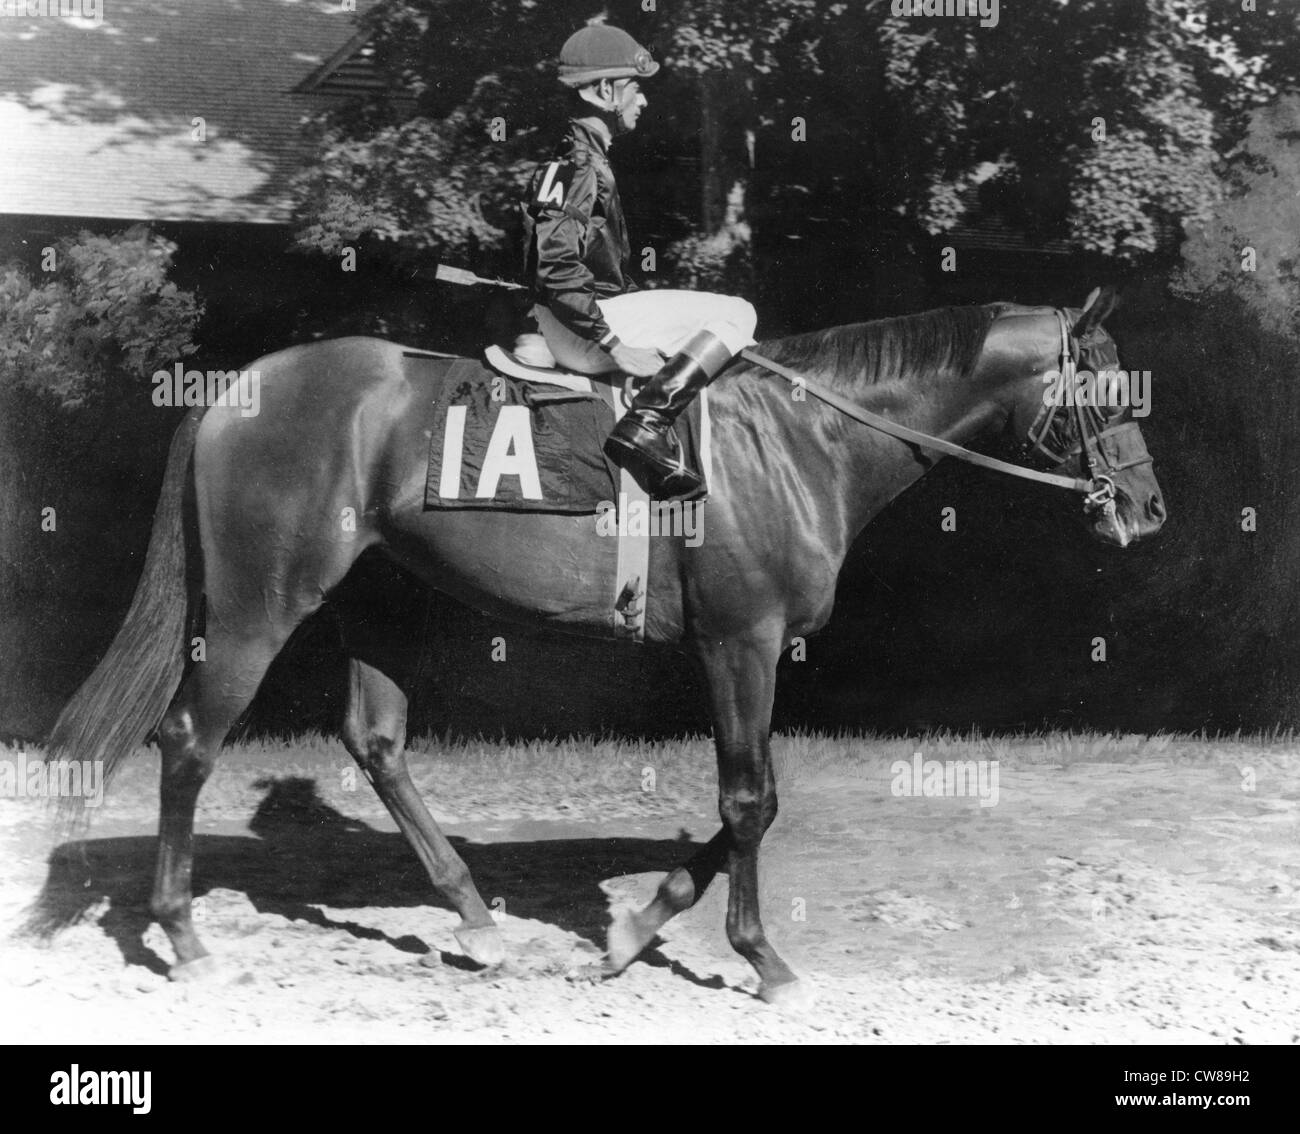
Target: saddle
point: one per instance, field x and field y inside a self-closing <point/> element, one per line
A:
<point x="545" y="458"/>
<point x="531" y="363"/>
<point x="507" y="434"/>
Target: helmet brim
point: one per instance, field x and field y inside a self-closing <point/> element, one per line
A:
<point x="582" y="76"/>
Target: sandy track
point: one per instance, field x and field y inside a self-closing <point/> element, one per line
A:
<point x="1125" y="891"/>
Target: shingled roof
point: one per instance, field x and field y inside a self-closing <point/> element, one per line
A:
<point x="96" y="119"/>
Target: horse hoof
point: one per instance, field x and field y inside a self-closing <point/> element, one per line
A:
<point x="624" y="941"/>
<point x="793" y="996"/>
<point x="201" y="968"/>
<point x="482" y="944"/>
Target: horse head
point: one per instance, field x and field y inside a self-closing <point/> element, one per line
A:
<point x="1077" y="418"/>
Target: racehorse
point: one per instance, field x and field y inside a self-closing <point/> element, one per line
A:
<point x="248" y="540"/>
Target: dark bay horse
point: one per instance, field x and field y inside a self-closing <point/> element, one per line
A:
<point x="252" y="532"/>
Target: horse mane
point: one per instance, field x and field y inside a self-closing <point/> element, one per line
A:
<point x="948" y="339"/>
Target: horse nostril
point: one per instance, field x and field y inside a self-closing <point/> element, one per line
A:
<point x="1156" y="508"/>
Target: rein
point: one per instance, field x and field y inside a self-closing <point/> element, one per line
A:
<point x="1099" y="491"/>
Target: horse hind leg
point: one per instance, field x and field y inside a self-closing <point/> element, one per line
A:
<point x="190" y="736"/>
<point x="374" y="732"/>
<point x="268" y="561"/>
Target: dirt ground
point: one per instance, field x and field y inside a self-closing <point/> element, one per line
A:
<point x="1121" y="890"/>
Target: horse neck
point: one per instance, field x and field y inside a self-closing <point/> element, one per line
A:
<point x="946" y="405"/>
<point x="857" y="470"/>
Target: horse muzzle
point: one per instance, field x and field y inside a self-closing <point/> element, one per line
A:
<point x="1126" y="504"/>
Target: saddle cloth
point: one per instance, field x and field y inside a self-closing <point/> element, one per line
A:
<point x="516" y="438"/>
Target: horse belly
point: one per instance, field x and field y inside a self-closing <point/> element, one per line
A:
<point x="535" y="568"/>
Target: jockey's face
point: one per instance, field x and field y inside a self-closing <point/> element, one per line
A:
<point x="626" y="103"/>
<point x="619" y="100"/>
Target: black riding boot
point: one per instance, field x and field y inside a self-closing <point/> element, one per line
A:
<point x="643" y="443"/>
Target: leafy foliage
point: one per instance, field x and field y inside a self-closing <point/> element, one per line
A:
<point x="910" y="121"/>
<point x="1249" y="246"/>
<point x="437" y="171"/>
<point x="719" y="261"/>
<point x="108" y="316"/>
<point x="1096" y="120"/>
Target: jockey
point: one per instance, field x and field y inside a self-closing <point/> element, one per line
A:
<point x="592" y="315"/>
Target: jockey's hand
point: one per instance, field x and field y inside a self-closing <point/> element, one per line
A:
<point x="637" y="361"/>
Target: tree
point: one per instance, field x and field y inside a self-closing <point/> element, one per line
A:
<point x="435" y="167"/>
<point x="106" y="317"/>
<point x="1250" y="243"/>
<point x="77" y="350"/>
<point x="1099" y="121"/>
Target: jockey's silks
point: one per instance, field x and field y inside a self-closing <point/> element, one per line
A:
<point x="576" y="238"/>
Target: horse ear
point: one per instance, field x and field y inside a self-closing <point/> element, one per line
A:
<point x="1098" y="305"/>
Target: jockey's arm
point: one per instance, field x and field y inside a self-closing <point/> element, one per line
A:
<point x="561" y="204"/>
<point x="561" y="209"/>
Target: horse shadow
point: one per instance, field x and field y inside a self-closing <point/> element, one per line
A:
<point x="304" y="854"/>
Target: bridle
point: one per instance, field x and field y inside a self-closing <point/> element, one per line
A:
<point x="1097" y="488"/>
<point x="1090" y="427"/>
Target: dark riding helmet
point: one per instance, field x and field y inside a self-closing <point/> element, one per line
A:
<point x="599" y="51"/>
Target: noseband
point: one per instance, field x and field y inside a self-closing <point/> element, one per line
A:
<point x="1096" y="443"/>
<point x="1096" y="446"/>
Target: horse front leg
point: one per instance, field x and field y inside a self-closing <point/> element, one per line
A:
<point x="742" y="682"/>
<point x="631" y="931"/>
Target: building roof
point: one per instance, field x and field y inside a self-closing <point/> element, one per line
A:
<point x="96" y="118"/>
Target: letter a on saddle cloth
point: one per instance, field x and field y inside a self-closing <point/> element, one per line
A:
<point x="499" y="444"/>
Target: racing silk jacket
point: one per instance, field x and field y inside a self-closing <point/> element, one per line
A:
<point x="577" y="241"/>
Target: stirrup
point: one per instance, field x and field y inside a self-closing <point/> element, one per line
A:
<point x="662" y="479"/>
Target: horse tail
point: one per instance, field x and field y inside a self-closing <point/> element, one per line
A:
<point x="123" y="700"/>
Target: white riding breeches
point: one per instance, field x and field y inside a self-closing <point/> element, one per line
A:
<point x="655" y="320"/>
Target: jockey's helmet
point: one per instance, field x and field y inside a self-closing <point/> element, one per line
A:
<point x="599" y="51"/>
